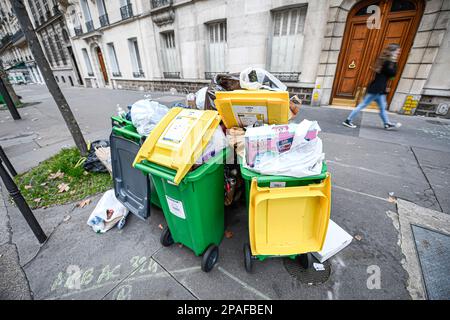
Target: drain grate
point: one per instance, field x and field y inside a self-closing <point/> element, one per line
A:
<point x="307" y="276"/>
<point x="433" y="249"/>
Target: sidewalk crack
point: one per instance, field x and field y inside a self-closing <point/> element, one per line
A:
<point x="426" y="178"/>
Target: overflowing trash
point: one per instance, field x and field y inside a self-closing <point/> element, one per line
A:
<point x="145" y="114"/>
<point x="92" y="162"/>
<point x="230" y="139"/>
<point x="107" y="213"/>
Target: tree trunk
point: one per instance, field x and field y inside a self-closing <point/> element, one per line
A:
<point x="41" y="61"/>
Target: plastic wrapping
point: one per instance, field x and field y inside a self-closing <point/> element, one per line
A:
<point x="303" y="158"/>
<point x="107" y="213"/>
<point x="145" y="114"/>
<point x="257" y="78"/>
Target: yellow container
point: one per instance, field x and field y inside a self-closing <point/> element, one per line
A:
<point x="179" y="139"/>
<point x="289" y="221"/>
<point x="241" y="108"/>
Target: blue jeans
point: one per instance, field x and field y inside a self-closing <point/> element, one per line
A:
<point x="379" y="98"/>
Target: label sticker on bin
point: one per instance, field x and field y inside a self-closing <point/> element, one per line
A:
<point x="248" y="115"/>
<point x="274" y="184"/>
<point x="176" y="207"/>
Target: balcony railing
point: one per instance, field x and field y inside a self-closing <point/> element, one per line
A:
<point x="78" y="31"/>
<point x="90" y="74"/>
<point x="126" y="11"/>
<point x="104" y="20"/>
<point x="171" y="75"/>
<point x="160" y="3"/>
<point x="56" y="10"/>
<point x="117" y="74"/>
<point x="211" y="75"/>
<point x="138" y="74"/>
<point x="287" y="76"/>
<point x="89" y="26"/>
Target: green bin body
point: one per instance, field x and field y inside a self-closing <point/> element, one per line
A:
<point x="194" y="210"/>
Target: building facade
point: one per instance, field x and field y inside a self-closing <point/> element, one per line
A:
<point x="325" y="44"/>
<point x="49" y="24"/>
<point x="16" y="57"/>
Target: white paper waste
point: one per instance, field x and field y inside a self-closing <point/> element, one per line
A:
<point x="336" y="240"/>
<point x="217" y="143"/>
<point x="257" y="78"/>
<point x="145" y="114"/>
<point x="99" y="220"/>
<point x="303" y="158"/>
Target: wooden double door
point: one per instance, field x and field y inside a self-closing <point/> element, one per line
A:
<point x="363" y="42"/>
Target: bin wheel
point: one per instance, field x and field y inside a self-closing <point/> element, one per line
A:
<point x="305" y="260"/>
<point x="166" y="238"/>
<point x="210" y="258"/>
<point x="248" y="260"/>
<point x="121" y="223"/>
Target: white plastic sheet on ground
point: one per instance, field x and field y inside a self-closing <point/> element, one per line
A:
<point x="303" y="159"/>
<point x="98" y="219"/>
<point x="264" y="80"/>
<point x="145" y="114"/>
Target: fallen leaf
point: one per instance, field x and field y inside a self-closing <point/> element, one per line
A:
<point x="67" y="218"/>
<point x="84" y="203"/>
<point x="56" y="175"/>
<point x="72" y="192"/>
<point x="160" y="226"/>
<point x="37" y="200"/>
<point x="85" y="173"/>
<point x="63" y="187"/>
<point x="43" y="184"/>
<point x="228" y="234"/>
<point x="28" y="187"/>
<point x="392" y="199"/>
<point x="358" y="237"/>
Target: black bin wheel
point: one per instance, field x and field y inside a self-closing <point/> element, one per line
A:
<point x="210" y="258"/>
<point x="248" y="260"/>
<point x="166" y="238"/>
<point x="305" y="260"/>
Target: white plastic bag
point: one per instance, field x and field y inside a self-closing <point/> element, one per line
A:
<point x="264" y="80"/>
<point x="145" y="114"/>
<point x="304" y="158"/>
<point x="217" y="143"/>
<point x="99" y="220"/>
<point x="200" y="97"/>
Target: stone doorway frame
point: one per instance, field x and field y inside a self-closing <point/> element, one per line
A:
<point x="422" y="55"/>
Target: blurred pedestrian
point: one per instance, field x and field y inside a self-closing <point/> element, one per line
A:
<point x="385" y="69"/>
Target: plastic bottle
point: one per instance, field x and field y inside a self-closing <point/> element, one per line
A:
<point x="121" y="112"/>
<point x="315" y="97"/>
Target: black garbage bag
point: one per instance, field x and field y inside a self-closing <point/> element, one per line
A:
<point x="221" y="82"/>
<point x="92" y="163"/>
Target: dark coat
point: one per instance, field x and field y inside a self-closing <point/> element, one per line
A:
<point x="378" y="85"/>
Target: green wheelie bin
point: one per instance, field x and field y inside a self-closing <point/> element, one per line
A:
<point x="194" y="209"/>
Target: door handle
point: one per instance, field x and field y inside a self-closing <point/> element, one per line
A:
<point x="352" y="65"/>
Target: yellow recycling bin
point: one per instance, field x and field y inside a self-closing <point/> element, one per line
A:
<point x="288" y="221"/>
<point x="179" y="139"/>
<point x="242" y="108"/>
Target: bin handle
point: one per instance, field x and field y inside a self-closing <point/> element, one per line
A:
<point x="154" y="172"/>
<point x="120" y="120"/>
<point x="127" y="133"/>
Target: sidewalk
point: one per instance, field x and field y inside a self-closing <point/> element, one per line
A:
<point x="366" y="165"/>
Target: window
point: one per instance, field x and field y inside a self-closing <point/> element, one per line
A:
<point x="33" y="12"/>
<point x="87" y="15"/>
<point x="71" y="81"/>
<point x="102" y="15"/>
<point x="113" y="60"/>
<point x="287" y="40"/>
<point x="61" y="50"/>
<point x="47" y="51"/>
<point x="53" y="49"/>
<point x="63" y="80"/>
<point x="402" y="5"/>
<point x="364" y="10"/>
<point x="170" y="59"/>
<point x="135" y="58"/>
<point x="56" y="77"/>
<point x="217" y="35"/>
<point x="87" y="62"/>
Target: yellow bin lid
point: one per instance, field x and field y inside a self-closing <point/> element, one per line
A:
<point x="290" y="220"/>
<point x="179" y="139"/>
<point x="242" y="108"/>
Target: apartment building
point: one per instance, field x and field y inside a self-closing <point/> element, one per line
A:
<point x="49" y="24"/>
<point x="15" y="54"/>
<point x="331" y="44"/>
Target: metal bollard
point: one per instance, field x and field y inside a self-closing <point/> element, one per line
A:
<point x="22" y="204"/>
<point x="8" y="163"/>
